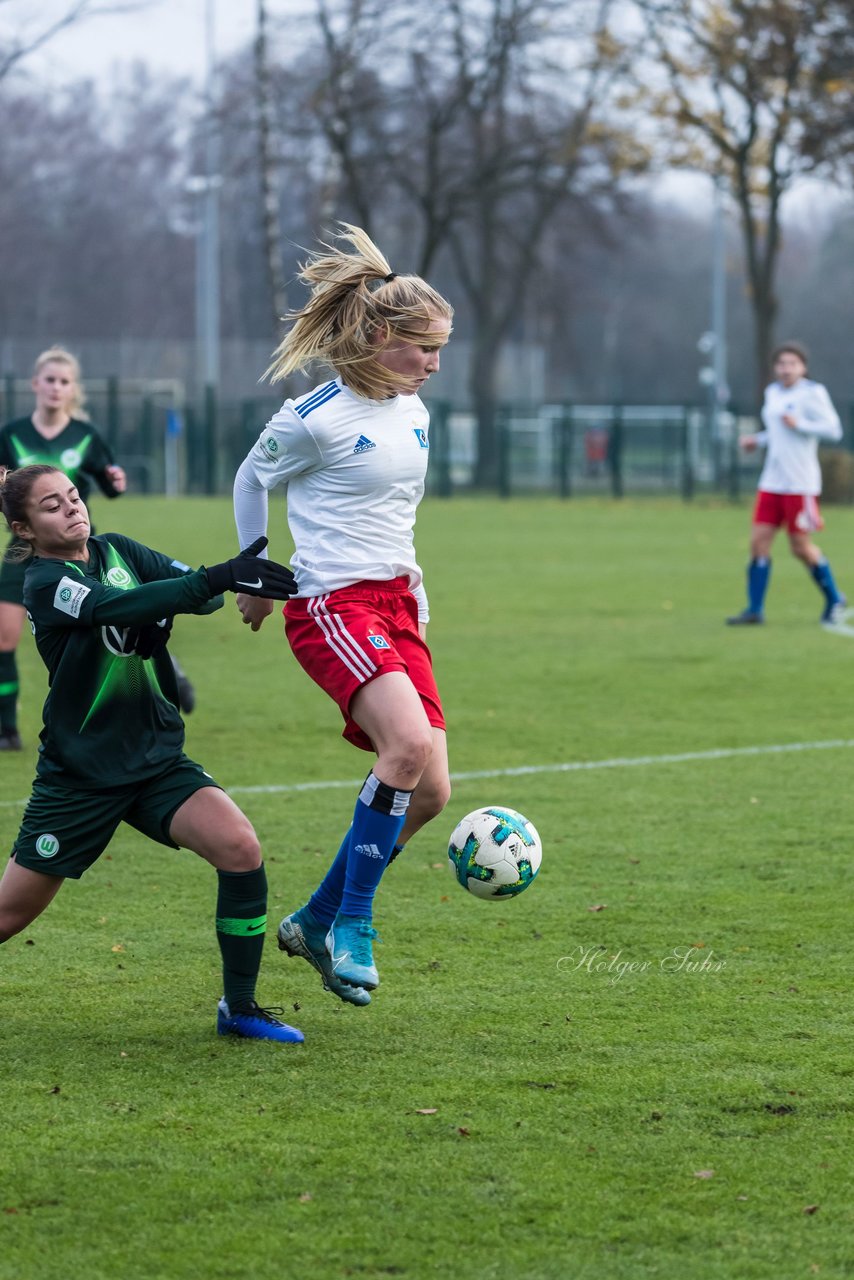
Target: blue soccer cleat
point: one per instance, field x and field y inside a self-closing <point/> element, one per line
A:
<point x="834" y="613"/>
<point x="349" y="945"/>
<point x="300" y="934"/>
<point x="747" y="618"/>
<point x="255" y="1023"/>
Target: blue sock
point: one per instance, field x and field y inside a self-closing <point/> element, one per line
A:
<point x="824" y="577"/>
<point x="377" y="822"/>
<point x="758" y="573"/>
<point x="326" y="899"/>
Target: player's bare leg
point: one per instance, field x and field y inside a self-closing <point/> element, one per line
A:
<point x="432" y="792"/>
<point x="24" y="894"/>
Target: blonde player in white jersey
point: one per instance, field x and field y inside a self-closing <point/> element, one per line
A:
<point x="353" y="453"/>
<point x="796" y="414"/>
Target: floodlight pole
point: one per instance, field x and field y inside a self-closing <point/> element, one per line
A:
<point x="719" y="350"/>
<point x="209" y="290"/>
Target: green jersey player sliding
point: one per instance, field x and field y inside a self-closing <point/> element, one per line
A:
<point x="112" y="744"/>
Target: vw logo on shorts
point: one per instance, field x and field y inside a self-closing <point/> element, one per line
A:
<point x="47" y="846"/>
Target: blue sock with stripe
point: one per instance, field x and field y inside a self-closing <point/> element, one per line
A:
<point x="825" y="580"/>
<point x="758" y="573"/>
<point x="377" y="822"/>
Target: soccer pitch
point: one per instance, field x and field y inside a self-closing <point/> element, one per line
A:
<point x="640" y="1067"/>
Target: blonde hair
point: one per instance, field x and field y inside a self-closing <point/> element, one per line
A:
<point x="358" y="305"/>
<point x="59" y="355"/>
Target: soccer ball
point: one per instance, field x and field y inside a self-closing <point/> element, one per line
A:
<point x="495" y="853"/>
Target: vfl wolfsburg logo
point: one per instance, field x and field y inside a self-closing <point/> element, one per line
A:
<point x="69" y="459"/>
<point x="47" y="846"/>
<point x="119" y="577"/>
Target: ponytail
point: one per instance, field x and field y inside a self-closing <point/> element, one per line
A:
<point x="358" y="305"/>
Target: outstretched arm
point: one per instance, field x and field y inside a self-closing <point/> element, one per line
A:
<point x="78" y="601"/>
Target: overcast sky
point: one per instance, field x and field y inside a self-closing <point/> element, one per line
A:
<point x="170" y="35"/>
<point x="167" y="34"/>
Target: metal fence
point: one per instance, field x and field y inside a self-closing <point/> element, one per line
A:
<point x="169" y="445"/>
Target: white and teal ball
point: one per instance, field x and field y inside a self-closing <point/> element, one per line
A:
<point x="495" y="853"/>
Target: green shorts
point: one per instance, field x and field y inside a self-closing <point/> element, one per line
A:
<point x="12" y="579"/>
<point x="64" y="830"/>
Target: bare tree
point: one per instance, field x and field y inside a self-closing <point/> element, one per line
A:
<point x="86" y="245"/>
<point x="267" y="170"/>
<point x="474" y="122"/>
<point x="28" y="36"/>
<point x="753" y="93"/>
<point x="527" y="90"/>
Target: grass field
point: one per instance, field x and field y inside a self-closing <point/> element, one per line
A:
<point x="642" y="1067"/>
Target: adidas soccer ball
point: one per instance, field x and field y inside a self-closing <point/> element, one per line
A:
<point x="495" y="853"/>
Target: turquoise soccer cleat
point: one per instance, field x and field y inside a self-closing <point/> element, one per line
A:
<point x="349" y="945"/>
<point x="300" y="934"/>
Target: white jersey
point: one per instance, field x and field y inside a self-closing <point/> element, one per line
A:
<point x="354" y="470"/>
<point x="791" y="463"/>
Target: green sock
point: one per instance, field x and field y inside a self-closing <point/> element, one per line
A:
<point x="241" y="918"/>
<point x="8" y="692"/>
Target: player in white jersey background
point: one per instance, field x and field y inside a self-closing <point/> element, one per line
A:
<point x="353" y="453"/>
<point x="796" y="414"/>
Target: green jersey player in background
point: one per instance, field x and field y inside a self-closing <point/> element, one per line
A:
<point x="58" y="433"/>
<point x="112" y="744"/>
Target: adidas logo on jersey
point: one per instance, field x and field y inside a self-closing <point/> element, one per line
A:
<point x="363" y="444"/>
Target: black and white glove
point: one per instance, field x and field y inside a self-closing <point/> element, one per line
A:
<point x="248" y="574"/>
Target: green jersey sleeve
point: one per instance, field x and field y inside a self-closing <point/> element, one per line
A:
<point x="123" y="584"/>
<point x="60" y="594"/>
<point x="97" y="458"/>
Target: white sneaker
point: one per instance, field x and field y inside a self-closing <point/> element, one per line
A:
<point x="834" y="615"/>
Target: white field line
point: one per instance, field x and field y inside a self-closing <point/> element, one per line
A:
<point x="533" y="770"/>
<point x="578" y="766"/>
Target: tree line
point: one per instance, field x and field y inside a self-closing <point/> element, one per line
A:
<point x="511" y="150"/>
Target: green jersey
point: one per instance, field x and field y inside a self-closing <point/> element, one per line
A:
<point x="78" y="450"/>
<point x="110" y="716"/>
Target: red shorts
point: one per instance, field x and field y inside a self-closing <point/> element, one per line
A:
<point x="797" y="511"/>
<point x="346" y="638"/>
